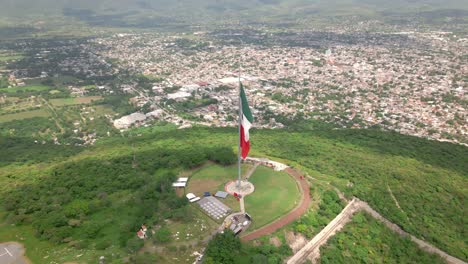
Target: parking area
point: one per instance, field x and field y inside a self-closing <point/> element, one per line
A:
<point x="214" y="208"/>
<point x="238" y="222"/>
<point x="12" y="253"/>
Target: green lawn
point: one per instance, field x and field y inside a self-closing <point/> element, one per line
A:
<point x="92" y="86"/>
<point x="24" y="115"/>
<point x="34" y="88"/>
<point x="63" y="101"/>
<point x="74" y="101"/>
<point x="212" y="178"/>
<point x="276" y="193"/>
<point x="103" y="110"/>
<point x="10" y="57"/>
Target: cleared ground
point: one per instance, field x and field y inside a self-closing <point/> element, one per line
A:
<point x="34" y="88"/>
<point x="74" y="101"/>
<point x="10" y="57"/>
<point x="24" y="115"/>
<point x="12" y="253"/>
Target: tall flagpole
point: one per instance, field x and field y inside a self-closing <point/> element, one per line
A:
<point x="240" y="120"/>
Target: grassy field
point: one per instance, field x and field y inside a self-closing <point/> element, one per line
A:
<point x="33" y="88"/>
<point x="10" y="57"/>
<point x="74" y="101"/>
<point x="103" y="110"/>
<point x="192" y="232"/>
<point x="186" y="238"/>
<point x="18" y="105"/>
<point x="212" y="178"/>
<point x="41" y="251"/>
<point x="92" y="86"/>
<point x="24" y="115"/>
<point x="276" y="193"/>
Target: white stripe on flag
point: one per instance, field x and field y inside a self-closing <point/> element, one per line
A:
<point x="246" y="125"/>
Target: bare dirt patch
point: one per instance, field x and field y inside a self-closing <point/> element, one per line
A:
<point x="199" y="186"/>
<point x="275" y="241"/>
<point x="295" y="241"/>
<point x="87" y="100"/>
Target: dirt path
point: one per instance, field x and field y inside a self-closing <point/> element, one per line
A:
<point x="291" y="216"/>
<point x="393" y="197"/>
<point x="54" y="115"/>
<point x="312" y="249"/>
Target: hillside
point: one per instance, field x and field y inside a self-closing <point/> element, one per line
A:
<point x="154" y="13"/>
<point x="423" y="176"/>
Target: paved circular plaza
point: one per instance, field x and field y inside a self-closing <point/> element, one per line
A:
<point x="244" y="189"/>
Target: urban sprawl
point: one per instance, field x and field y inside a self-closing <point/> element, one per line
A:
<point x="410" y="82"/>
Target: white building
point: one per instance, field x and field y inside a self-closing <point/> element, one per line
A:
<point x="155" y="114"/>
<point x="128" y="120"/>
<point x="179" y="95"/>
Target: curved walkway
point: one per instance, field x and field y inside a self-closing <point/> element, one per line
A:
<point x="295" y="214"/>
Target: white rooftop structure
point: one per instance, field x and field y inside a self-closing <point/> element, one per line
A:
<point x="155" y="113"/>
<point x="231" y="80"/>
<point x="190" y="87"/>
<point x="192" y="197"/>
<point x="179" y="184"/>
<point x="178" y="95"/>
<point x="128" y="120"/>
<point x="277" y="166"/>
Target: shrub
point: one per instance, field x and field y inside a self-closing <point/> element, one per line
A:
<point x="163" y="235"/>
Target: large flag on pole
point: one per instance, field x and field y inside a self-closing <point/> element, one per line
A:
<point x="246" y="121"/>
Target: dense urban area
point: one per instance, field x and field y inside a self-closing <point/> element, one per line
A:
<point x="410" y="82"/>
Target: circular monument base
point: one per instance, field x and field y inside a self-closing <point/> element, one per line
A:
<point x="245" y="188"/>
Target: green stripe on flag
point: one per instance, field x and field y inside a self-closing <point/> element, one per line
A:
<point x="245" y="105"/>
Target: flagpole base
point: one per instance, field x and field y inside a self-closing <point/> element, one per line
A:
<point x="244" y="189"/>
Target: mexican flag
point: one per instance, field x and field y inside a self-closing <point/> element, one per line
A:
<point x="246" y="121"/>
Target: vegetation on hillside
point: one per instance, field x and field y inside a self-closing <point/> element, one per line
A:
<point x="374" y="165"/>
<point x="76" y="201"/>
<point x="71" y="194"/>
<point x="329" y="206"/>
<point x="226" y="248"/>
<point x="365" y="240"/>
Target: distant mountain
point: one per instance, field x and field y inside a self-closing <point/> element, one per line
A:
<point x="156" y="12"/>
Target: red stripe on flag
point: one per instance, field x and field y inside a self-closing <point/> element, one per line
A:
<point x="245" y="145"/>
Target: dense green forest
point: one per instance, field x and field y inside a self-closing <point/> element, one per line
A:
<point x="73" y="194"/>
<point x="313" y="221"/>
<point x="227" y="249"/>
<point x="365" y="240"/>
<point x="76" y="201"/>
